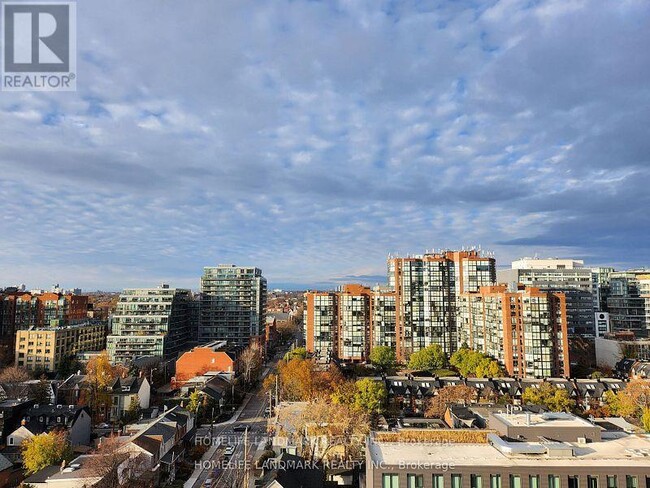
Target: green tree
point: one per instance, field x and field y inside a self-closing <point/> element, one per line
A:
<point x="45" y="450"/>
<point x="488" y="368"/>
<point x="474" y="363"/>
<point x="383" y="357"/>
<point x="297" y="353"/>
<point x="547" y="395"/>
<point x="133" y="410"/>
<point x="429" y="358"/>
<point x="194" y="402"/>
<point x="370" y="395"/>
<point x="645" y="419"/>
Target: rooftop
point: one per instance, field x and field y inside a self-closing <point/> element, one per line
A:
<point x="551" y="420"/>
<point x="630" y="450"/>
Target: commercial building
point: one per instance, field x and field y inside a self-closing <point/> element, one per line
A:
<point x="547" y="451"/>
<point x="150" y="322"/>
<point x="233" y="304"/>
<point x="524" y="329"/>
<point x="45" y="348"/>
<point x="567" y="275"/>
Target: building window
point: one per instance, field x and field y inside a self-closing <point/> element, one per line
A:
<point x="592" y="481"/>
<point x="495" y="481"/>
<point x="11" y="441"/>
<point x="438" y="481"/>
<point x="414" y="481"/>
<point x="515" y="481"/>
<point x="611" y="482"/>
<point x="631" y="481"/>
<point x="533" y="481"/>
<point x="574" y="482"/>
<point x="456" y="481"/>
<point x="476" y="481"/>
<point x="553" y="481"/>
<point x="389" y="481"/>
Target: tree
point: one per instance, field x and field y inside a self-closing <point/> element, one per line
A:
<point x="645" y="419"/>
<point x="345" y="393"/>
<point x="195" y="402"/>
<point x="42" y="391"/>
<point x="549" y="396"/>
<point x="100" y="375"/>
<point x="383" y="357"/>
<point x="297" y="353"/>
<point x="446" y="396"/>
<point x="330" y="425"/>
<point x="474" y="363"/>
<point x="114" y="465"/>
<point x="45" y="450"/>
<point x="133" y="410"/>
<point x="488" y="368"/>
<point x="251" y="362"/>
<point x="370" y="395"/>
<point x="430" y="358"/>
<point x="297" y="378"/>
<point x="631" y="401"/>
<point x="12" y="379"/>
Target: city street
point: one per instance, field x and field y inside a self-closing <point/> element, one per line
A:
<point x="228" y="471"/>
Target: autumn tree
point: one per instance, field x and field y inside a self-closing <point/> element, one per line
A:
<point x="429" y="358"/>
<point x="331" y="426"/>
<point x="297" y="380"/>
<point x="384" y="358"/>
<point x="100" y="375"/>
<point x="45" y="450"/>
<point x="631" y="401"/>
<point x="548" y="396"/>
<point x="446" y="396"/>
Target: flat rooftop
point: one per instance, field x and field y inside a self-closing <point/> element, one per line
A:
<point x="630" y="450"/>
<point x="551" y="420"/>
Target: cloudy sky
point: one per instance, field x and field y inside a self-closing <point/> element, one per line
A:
<point x="313" y="138"/>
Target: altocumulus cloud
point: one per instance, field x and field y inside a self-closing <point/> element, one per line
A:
<point x="311" y="138"/>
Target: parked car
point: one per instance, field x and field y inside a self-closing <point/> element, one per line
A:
<point x="229" y="451"/>
<point x="207" y="483"/>
<point x="104" y="426"/>
<point x="239" y="428"/>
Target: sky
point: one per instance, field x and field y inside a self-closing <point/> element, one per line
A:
<point x="311" y="139"/>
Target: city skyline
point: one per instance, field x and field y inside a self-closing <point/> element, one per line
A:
<point x="311" y="139"/>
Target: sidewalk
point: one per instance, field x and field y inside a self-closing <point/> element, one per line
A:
<point x="196" y="474"/>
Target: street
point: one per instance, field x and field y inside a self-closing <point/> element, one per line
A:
<point x="228" y="471"/>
